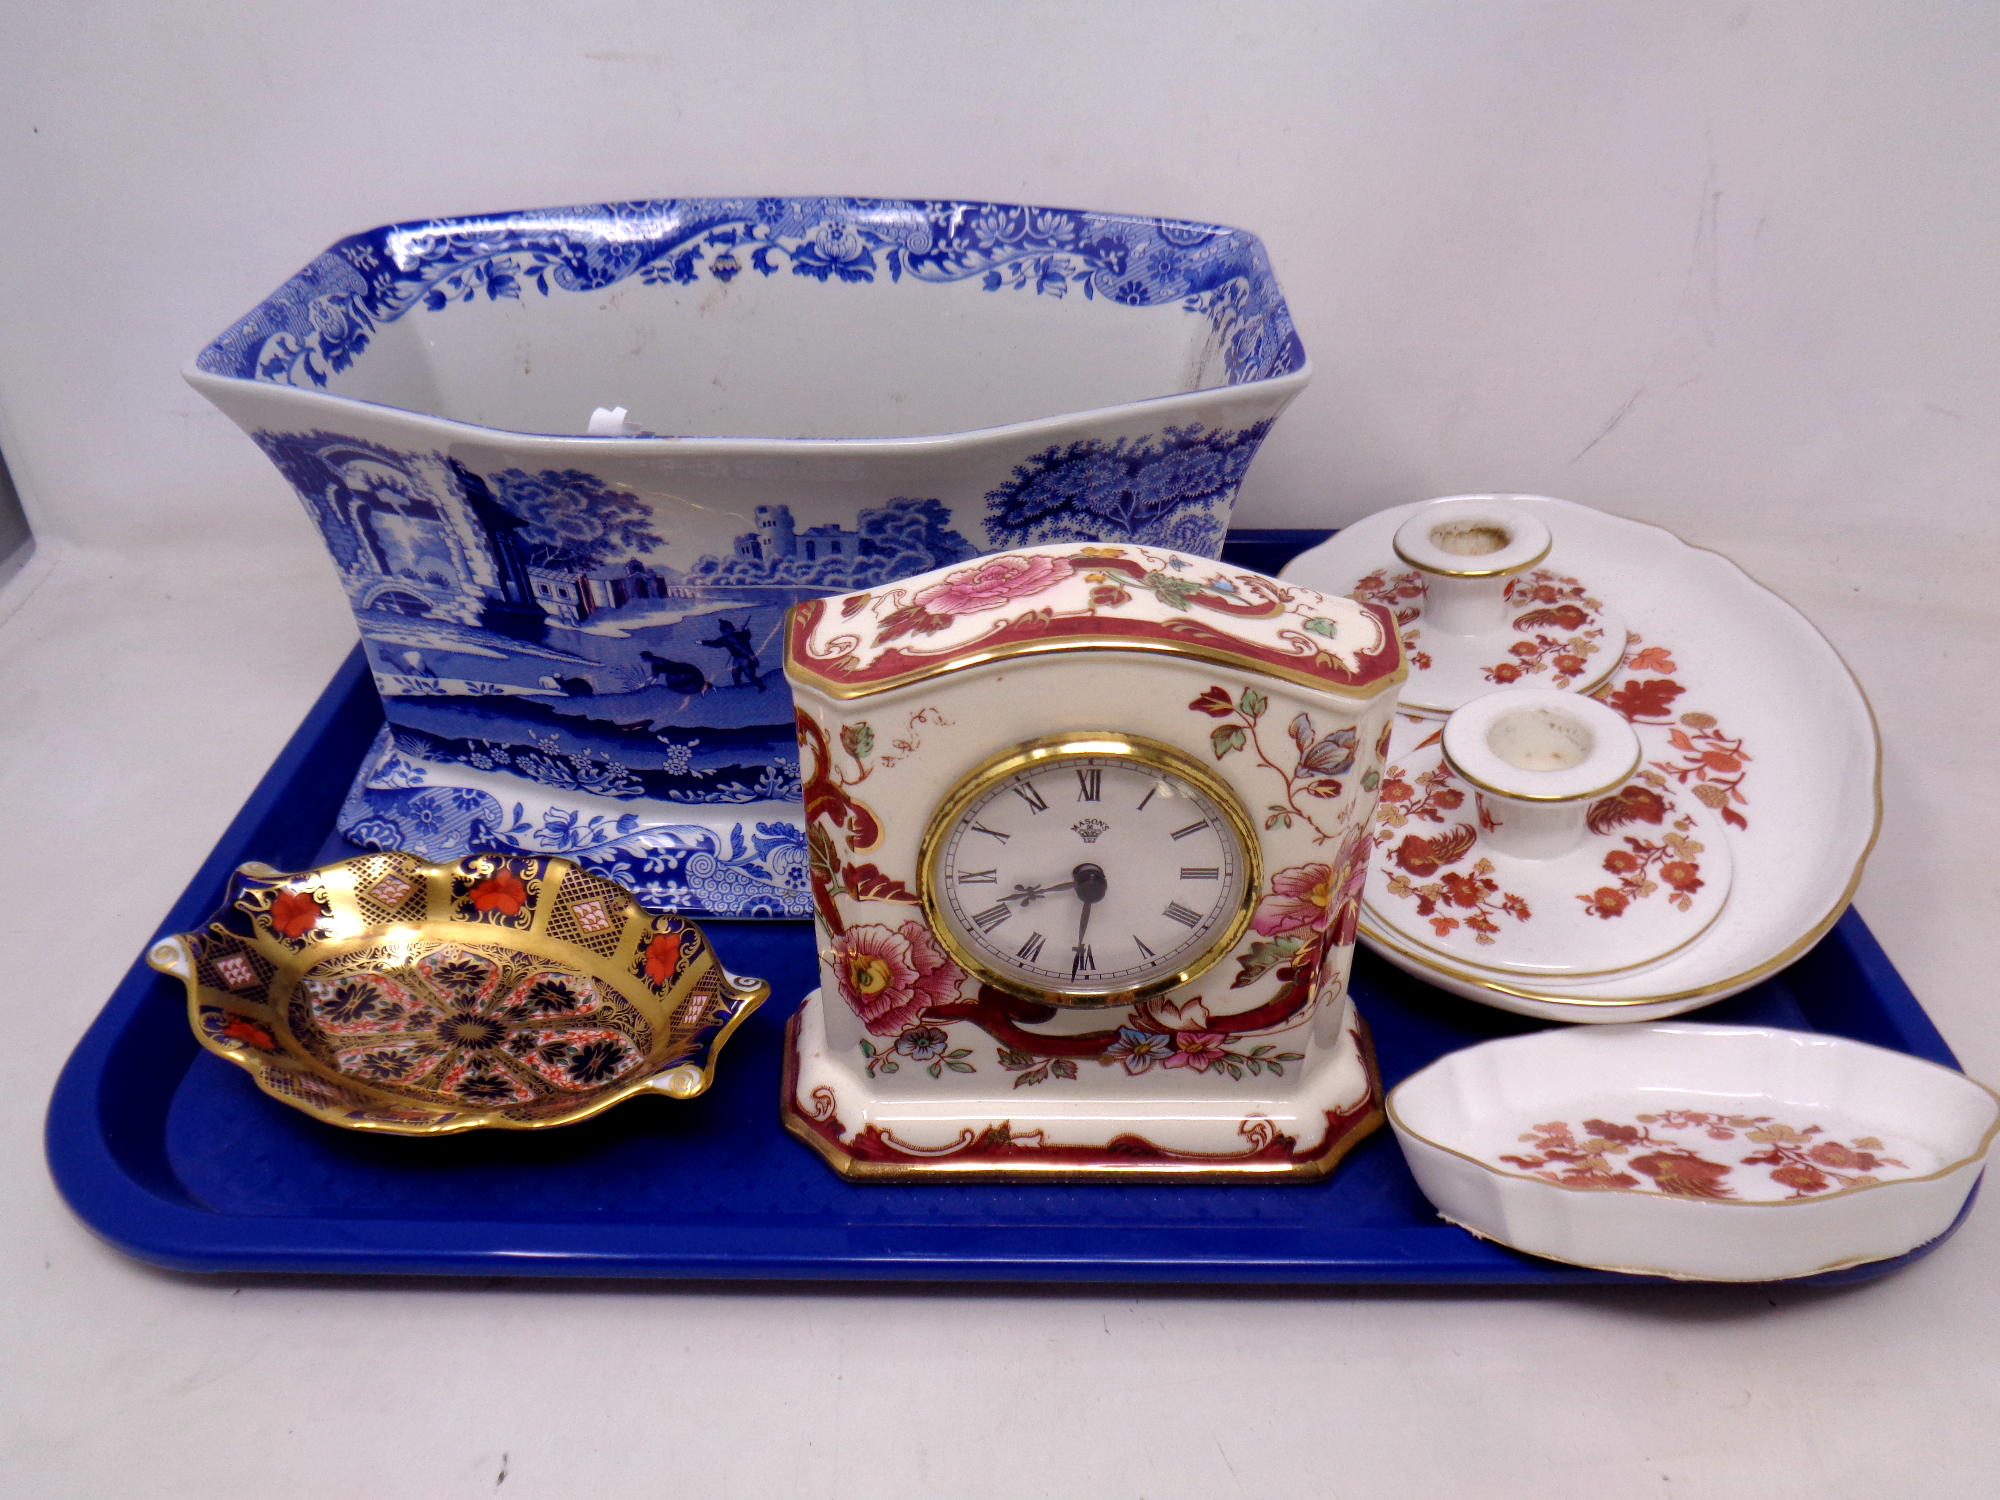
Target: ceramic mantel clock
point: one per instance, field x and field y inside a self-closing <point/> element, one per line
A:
<point x="1087" y="828"/>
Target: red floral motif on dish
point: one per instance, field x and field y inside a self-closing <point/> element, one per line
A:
<point x="239" y="1029"/>
<point x="1712" y="765"/>
<point x="1558" y="621"/>
<point x="663" y="954"/>
<point x="1675" y="857"/>
<point x="1469" y="898"/>
<point x="669" y="952"/>
<point x="501" y="892"/>
<point x="1803" y="1162"/>
<point x="1560" y="632"/>
<point x="1472" y="898"/>
<point x="1401" y="594"/>
<point x="294" y="912"/>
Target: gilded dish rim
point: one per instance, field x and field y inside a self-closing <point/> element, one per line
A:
<point x="1551" y="1005"/>
<point x="171" y="955"/>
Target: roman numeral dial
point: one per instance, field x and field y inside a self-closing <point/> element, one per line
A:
<point x="1085" y="873"/>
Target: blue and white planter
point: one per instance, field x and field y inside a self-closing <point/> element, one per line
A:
<point x="577" y="637"/>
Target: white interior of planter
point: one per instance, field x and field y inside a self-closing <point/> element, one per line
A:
<point x="783" y="356"/>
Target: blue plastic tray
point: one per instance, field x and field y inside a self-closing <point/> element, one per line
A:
<point x="175" y="1157"/>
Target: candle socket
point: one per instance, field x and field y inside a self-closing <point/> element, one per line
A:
<point x="1536" y="759"/>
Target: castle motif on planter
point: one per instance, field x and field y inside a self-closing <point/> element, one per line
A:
<point x="578" y="637"/>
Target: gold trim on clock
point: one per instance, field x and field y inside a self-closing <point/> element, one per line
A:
<point x="1053" y="749"/>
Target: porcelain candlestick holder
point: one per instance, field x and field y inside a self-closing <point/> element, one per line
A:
<point x="1479" y="613"/>
<point x="1576" y="858"/>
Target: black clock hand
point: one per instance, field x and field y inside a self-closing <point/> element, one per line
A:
<point x="1035" y="892"/>
<point x="1088" y="881"/>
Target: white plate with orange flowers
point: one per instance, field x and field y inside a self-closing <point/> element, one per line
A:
<point x="1707" y="1153"/>
<point x="1742" y="708"/>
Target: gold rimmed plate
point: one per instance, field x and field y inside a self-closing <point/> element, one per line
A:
<point x="1739" y="704"/>
<point x="503" y="991"/>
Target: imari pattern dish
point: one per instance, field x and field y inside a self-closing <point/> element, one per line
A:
<point x="1720" y="1153"/>
<point x="576" y="636"/>
<point x="1088" y="827"/>
<point x="386" y="994"/>
<point x="1742" y="710"/>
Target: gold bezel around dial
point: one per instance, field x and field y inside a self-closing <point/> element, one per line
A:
<point x="1052" y="749"/>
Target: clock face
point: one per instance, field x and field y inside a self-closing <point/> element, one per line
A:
<point x="1090" y="870"/>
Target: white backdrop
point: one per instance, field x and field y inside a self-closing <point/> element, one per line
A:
<point x="1730" y="267"/>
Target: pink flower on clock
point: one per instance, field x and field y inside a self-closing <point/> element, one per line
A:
<point x="1298" y="900"/>
<point x="890" y="976"/>
<point x="992" y="582"/>
<point x="938" y="978"/>
<point x="877" y="976"/>
<point x="1200" y="1050"/>
<point x="1350" y="879"/>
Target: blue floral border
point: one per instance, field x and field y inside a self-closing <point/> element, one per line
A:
<point x="319" y="321"/>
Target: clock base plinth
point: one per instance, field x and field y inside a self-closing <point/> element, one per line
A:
<point x="1295" y="1129"/>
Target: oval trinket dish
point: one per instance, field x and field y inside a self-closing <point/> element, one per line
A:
<point x="516" y="992"/>
<point x="1706" y="1153"/>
